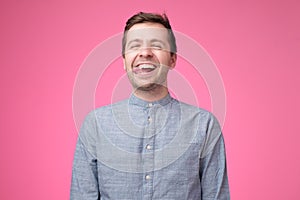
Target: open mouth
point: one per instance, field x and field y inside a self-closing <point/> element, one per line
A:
<point x="144" y="68"/>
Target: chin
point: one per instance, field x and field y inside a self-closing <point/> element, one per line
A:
<point x="148" y="87"/>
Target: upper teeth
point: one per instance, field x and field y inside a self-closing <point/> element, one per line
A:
<point x="146" y="66"/>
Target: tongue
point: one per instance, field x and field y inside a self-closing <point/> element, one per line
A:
<point x="146" y="70"/>
<point x="143" y="70"/>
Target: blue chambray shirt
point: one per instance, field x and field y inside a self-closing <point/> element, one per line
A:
<point x="162" y="150"/>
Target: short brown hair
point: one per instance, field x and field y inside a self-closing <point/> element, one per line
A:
<point x="143" y="17"/>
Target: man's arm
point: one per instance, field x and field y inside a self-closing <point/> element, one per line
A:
<point x="84" y="184"/>
<point x="213" y="172"/>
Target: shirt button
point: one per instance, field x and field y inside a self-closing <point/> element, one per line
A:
<point x="148" y="146"/>
<point x="149" y="119"/>
<point x="150" y="104"/>
<point x="147" y="177"/>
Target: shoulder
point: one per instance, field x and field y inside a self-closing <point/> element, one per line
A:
<point x="194" y="110"/>
<point x="203" y="119"/>
<point x="107" y="109"/>
<point x="104" y="112"/>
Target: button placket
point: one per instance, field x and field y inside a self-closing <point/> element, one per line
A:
<point x="151" y="111"/>
<point x="148" y="155"/>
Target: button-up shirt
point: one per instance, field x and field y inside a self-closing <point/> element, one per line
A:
<point x="135" y="149"/>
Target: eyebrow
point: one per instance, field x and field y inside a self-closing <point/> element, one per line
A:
<point x="158" y="40"/>
<point x="135" y="40"/>
<point x="152" y="40"/>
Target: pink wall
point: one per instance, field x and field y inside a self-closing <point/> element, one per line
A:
<point x="254" y="44"/>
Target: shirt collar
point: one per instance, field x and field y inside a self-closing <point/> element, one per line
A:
<point x="134" y="100"/>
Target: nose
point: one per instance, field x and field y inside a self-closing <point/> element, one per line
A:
<point x="145" y="52"/>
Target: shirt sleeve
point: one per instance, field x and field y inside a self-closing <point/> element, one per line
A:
<point x="84" y="184"/>
<point x="213" y="171"/>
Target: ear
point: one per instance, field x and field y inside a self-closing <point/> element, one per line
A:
<point x="173" y="60"/>
<point x="124" y="67"/>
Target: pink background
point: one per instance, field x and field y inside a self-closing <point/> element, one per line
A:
<point x="255" y="45"/>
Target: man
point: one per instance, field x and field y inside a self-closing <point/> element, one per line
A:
<point x="150" y="146"/>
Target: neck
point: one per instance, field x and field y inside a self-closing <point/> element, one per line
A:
<point x="155" y="94"/>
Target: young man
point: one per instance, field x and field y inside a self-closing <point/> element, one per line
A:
<point x="150" y="146"/>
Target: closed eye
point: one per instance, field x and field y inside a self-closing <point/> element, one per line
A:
<point x="157" y="46"/>
<point x="134" y="46"/>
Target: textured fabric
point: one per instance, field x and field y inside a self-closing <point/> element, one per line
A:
<point x="140" y="150"/>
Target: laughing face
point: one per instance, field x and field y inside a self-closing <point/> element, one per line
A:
<point x="147" y="58"/>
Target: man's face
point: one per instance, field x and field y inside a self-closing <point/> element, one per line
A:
<point x="147" y="58"/>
